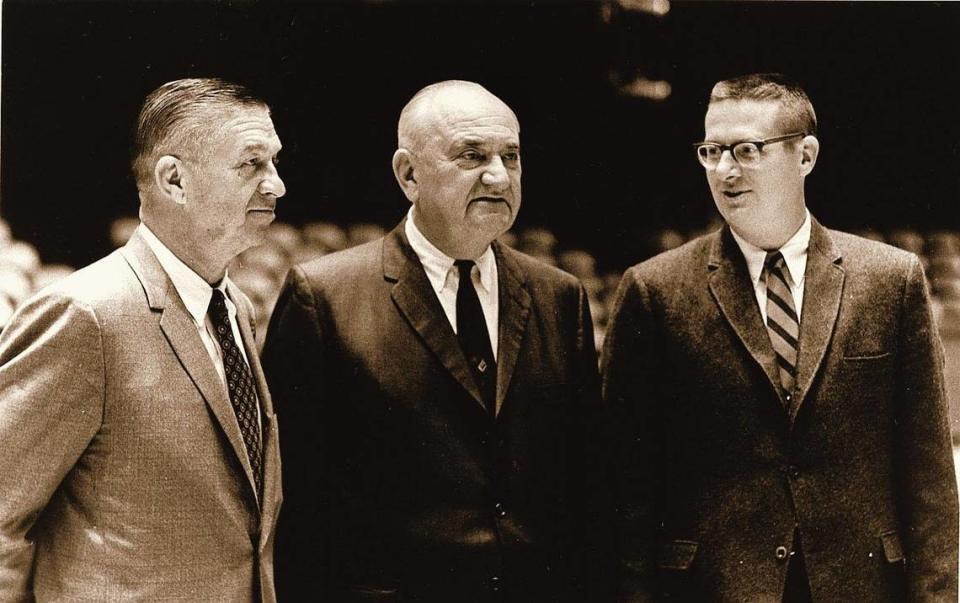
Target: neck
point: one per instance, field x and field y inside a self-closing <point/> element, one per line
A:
<point x="210" y="269"/>
<point x="451" y="246"/>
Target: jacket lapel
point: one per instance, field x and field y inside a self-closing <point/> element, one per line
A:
<point x="731" y="287"/>
<point x="822" y="291"/>
<point x="416" y="300"/>
<point x="179" y="329"/>
<point x="514" y="313"/>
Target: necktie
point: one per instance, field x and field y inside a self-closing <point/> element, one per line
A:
<point x="240" y="386"/>
<point x="782" y="322"/>
<point x="474" y="338"/>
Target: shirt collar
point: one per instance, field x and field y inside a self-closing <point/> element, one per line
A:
<point x="439" y="266"/>
<point x="192" y="289"/>
<point x="794" y="253"/>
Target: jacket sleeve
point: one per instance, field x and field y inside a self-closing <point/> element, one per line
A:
<point x="293" y="362"/>
<point x="927" y="483"/>
<point x="51" y="406"/>
<point x="629" y="368"/>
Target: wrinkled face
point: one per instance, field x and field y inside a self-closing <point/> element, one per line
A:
<point x="763" y="203"/>
<point x="232" y="190"/>
<point x="467" y="171"/>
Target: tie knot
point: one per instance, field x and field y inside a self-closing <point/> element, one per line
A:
<point x="465" y="267"/>
<point x="774" y="260"/>
<point x="218" y="306"/>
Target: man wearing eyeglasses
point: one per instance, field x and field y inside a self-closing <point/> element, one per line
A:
<point x="777" y="389"/>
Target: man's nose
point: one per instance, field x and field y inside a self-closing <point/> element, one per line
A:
<point x="495" y="175"/>
<point x="272" y="184"/>
<point x="727" y="167"/>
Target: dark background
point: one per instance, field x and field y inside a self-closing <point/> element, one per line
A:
<point x="604" y="170"/>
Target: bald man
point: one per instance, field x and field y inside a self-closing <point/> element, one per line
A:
<point x="436" y="388"/>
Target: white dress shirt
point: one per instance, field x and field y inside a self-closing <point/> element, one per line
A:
<point x="445" y="279"/>
<point x="794" y="255"/>
<point x="196" y="293"/>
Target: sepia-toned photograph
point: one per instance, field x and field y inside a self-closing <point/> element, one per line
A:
<point x="390" y="301"/>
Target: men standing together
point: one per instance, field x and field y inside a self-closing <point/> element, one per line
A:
<point x="778" y="390"/>
<point x="772" y="425"/>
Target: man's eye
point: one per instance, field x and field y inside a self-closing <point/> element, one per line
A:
<point x="254" y="161"/>
<point x="513" y="156"/>
<point x="471" y="156"/>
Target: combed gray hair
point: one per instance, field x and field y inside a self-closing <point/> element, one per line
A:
<point x="796" y="110"/>
<point x="177" y="114"/>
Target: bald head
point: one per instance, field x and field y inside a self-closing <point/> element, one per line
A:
<point x="436" y="104"/>
<point x="458" y="163"/>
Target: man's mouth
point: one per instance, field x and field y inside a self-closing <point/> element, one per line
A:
<point x="733" y="194"/>
<point x="489" y="200"/>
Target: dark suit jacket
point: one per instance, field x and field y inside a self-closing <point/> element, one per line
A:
<point x="400" y="486"/>
<point x="123" y="475"/>
<point x="718" y="471"/>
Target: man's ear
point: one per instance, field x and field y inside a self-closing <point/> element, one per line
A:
<point x="169" y="177"/>
<point x="404" y="172"/>
<point x="809" y="151"/>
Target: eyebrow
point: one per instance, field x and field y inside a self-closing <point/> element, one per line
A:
<point x="256" y="146"/>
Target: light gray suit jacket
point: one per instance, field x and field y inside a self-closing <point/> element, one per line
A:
<point x="123" y="475"/>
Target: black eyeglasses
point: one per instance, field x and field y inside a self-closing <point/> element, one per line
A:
<point x="746" y="152"/>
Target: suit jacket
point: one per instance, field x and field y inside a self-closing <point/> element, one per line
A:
<point x="720" y="476"/>
<point x="123" y="475"/>
<point x="400" y="485"/>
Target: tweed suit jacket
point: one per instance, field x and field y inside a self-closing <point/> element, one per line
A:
<point x="720" y="475"/>
<point x="122" y="470"/>
<point x="400" y="486"/>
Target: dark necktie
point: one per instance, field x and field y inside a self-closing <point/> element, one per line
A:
<point x="474" y="337"/>
<point x="782" y="322"/>
<point x="243" y="394"/>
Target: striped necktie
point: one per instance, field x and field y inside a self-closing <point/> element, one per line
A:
<point x="783" y="325"/>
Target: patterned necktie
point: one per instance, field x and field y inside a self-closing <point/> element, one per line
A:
<point x="474" y="337"/>
<point x="243" y="394"/>
<point x="782" y="322"/>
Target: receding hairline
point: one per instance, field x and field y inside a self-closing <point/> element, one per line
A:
<point x="415" y="114"/>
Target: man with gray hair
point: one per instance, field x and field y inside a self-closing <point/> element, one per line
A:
<point x="436" y="388"/>
<point x="778" y="392"/>
<point x="140" y="459"/>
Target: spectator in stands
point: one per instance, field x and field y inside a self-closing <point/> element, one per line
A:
<point x="139" y="456"/>
<point x="779" y="392"/>
<point x="435" y="388"/>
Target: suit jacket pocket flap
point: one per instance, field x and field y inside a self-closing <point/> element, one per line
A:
<point x="892" y="549"/>
<point x="357" y="593"/>
<point x="677" y="555"/>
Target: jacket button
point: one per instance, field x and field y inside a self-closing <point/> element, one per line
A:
<point x="501" y="512"/>
<point x="794" y="471"/>
<point x="781" y="553"/>
<point x="494" y="583"/>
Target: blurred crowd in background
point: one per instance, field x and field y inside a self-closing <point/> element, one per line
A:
<point x="260" y="271"/>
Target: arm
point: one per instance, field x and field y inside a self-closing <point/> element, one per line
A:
<point x="928" y="494"/>
<point x="293" y="362"/>
<point x="629" y="367"/>
<point x="51" y="405"/>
